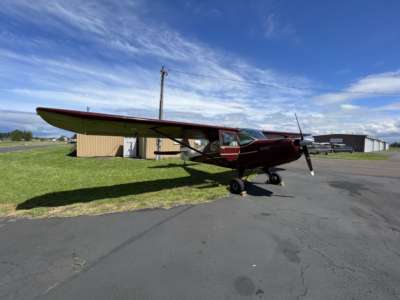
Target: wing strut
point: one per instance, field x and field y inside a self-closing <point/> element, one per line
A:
<point x="155" y="129"/>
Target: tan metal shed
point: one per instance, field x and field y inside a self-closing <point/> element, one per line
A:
<point x="98" y="145"/>
<point x="101" y="146"/>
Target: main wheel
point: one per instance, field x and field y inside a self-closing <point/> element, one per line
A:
<point x="236" y="186"/>
<point x="275" y="178"/>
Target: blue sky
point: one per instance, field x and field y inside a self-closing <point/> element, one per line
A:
<point x="335" y="63"/>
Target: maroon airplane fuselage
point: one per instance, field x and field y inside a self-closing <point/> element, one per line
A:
<point x="259" y="153"/>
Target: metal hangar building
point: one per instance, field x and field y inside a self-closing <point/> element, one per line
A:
<point x="359" y="142"/>
<point x="103" y="146"/>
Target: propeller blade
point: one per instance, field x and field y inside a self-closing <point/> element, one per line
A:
<point x="304" y="144"/>
<point x="298" y="124"/>
<point x="308" y="160"/>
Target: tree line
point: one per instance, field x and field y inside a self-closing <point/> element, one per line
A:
<point x="17" y="135"/>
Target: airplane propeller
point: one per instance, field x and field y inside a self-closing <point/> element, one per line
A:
<point x="303" y="144"/>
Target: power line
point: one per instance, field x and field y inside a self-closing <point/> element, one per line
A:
<point x="252" y="82"/>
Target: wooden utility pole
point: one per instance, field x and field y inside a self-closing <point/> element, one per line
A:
<point x="163" y="73"/>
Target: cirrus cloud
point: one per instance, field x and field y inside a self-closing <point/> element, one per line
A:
<point x="79" y="54"/>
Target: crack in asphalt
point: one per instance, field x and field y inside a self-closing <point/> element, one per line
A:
<point x="307" y="214"/>
<point x="330" y="261"/>
<point x="387" y="220"/>
<point x="14" y="293"/>
<point x="332" y="264"/>
<point x="9" y="263"/>
<point x="113" y="251"/>
<point x="51" y="287"/>
<point x="364" y="269"/>
<point x="385" y="243"/>
<point x="303" y="270"/>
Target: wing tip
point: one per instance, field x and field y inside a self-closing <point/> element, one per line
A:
<point x="40" y="109"/>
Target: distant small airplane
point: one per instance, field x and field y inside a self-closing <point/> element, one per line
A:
<point x="236" y="148"/>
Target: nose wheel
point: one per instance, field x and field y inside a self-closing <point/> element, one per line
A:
<point x="274" y="178"/>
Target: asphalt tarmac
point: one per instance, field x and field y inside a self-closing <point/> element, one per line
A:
<point x="332" y="236"/>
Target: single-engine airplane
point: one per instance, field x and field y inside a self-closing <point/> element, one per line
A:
<point x="235" y="148"/>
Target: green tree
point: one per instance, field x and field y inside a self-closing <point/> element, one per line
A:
<point x="27" y="135"/>
<point x="18" y="135"/>
<point x="4" y="135"/>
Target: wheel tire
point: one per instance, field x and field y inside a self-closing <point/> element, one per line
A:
<point x="236" y="186"/>
<point x="275" y="178"/>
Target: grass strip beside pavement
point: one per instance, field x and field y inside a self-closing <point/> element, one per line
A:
<point x="47" y="182"/>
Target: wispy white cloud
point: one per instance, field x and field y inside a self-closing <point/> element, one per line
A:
<point x="270" y="26"/>
<point x="347" y="106"/>
<point x="203" y="9"/>
<point x="395" y="106"/>
<point x="374" y="85"/>
<point x="275" y="28"/>
<point x="11" y="119"/>
<point x="130" y="35"/>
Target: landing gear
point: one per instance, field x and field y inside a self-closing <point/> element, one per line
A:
<point x="236" y="186"/>
<point x="273" y="178"/>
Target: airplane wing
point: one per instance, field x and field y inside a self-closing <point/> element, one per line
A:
<point x="115" y="125"/>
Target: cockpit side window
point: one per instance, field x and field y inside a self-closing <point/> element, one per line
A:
<point x="244" y="138"/>
<point x="229" y="139"/>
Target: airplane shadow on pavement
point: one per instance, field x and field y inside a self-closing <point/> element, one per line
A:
<point x="195" y="177"/>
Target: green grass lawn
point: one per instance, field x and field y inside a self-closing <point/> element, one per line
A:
<point x="47" y="182"/>
<point x="8" y="143"/>
<point x="355" y="155"/>
<point x="394" y="149"/>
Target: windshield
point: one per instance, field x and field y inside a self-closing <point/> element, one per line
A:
<point x="248" y="135"/>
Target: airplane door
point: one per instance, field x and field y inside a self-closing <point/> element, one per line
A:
<point x="229" y="145"/>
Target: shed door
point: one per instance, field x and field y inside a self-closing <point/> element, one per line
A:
<point x="130" y="147"/>
<point x="229" y="142"/>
